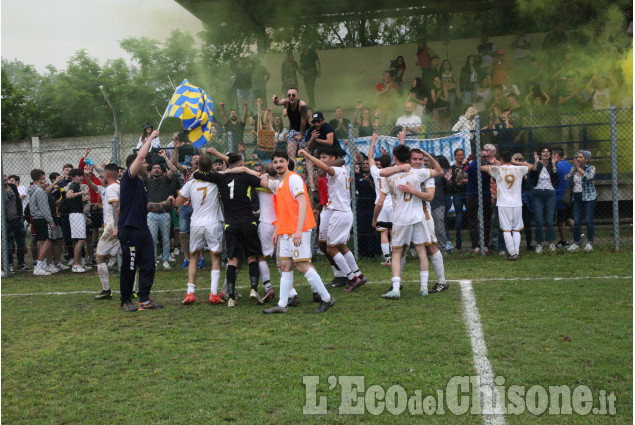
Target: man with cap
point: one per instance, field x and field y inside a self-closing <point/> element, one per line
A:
<point x="322" y="134"/>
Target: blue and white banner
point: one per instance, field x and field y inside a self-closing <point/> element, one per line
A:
<point x="443" y="146"/>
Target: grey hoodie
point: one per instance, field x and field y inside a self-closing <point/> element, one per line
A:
<point x="39" y="203"/>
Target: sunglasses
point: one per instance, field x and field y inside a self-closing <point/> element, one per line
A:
<point x="291" y="95"/>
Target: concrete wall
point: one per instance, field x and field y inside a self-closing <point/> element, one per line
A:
<point x="349" y="75"/>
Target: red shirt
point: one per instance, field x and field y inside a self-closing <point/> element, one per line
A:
<point x="323" y="190"/>
<point x="94" y="196"/>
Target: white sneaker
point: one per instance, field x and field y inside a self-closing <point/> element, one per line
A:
<point x="552" y="247"/>
<point x="166" y="265"/>
<point x="502" y="253"/>
<point x="52" y="269"/>
<point x="176" y="251"/>
<point x="588" y="246"/>
<point x="62" y="266"/>
<point x="40" y="271"/>
<point x="87" y="267"/>
<point x="78" y="269"/>
<point x="573" y="248"/>
<point x="70" y="263"/>
<point x="538" y="249"/>
<point x="171" y="259"/>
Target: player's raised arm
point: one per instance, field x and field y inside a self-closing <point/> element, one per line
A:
<point x="389" y="171"/>
<point x="213" y="151"/>
<point x="371" y="150"/>
<point x="318" y="162"/>
<point x="137" y="164"/>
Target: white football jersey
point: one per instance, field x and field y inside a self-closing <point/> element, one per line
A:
<point x="407" y="208"/>
<point x="267" y="210"/>
<point x="380" y="183"/>
<point x="509" y="181"/>
<point x="110" y="194"/>
<point x="339" y="190"/>
<point x="425" y="185"/>
<point x="205" y="202"/>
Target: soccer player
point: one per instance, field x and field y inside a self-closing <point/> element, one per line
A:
<point x="386" y="212"/>
<point x="206" y="229"/>
<point x="509" y="179"/>
<point x="137" y="249"/>
<point x="341" y="219"/>
<point x="266" y="230"/>
<point x="295" y="221"/>
<point x="108" y="244"/>
<point x="241" y="233"/>
<point x="418" y="159"/>
<point x="408" y="225"/>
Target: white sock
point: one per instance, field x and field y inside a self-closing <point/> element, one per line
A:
<point x="516" y="238"/>
<point x="215" y="275"/>
<point x="286" y="282"/>
<point x="350" y="259"/>
<point x="423" y="277"/>
<point x="190" y="288"/>
<point x="385" y="249"/>
<point x="264" y="272"/>
<point x="396" y="283"/>
<point x="316" y="283"/>
<point x="102" y="271"/>
<point x="43" y="263"/>
<point x="437" y="265"/>
<point x="403" y="264"/>
<point x="338" y="272"/>
<point x="293" y="292"/>
<point x="509" y="242"/>
<point x="343" y="265"/>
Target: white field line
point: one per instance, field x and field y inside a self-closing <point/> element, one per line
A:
<point x="376" y="282"/>
<point x="491" y="401"/>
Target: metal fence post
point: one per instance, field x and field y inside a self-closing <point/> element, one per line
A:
<point x="5" y="229"/>
<point x="115" y="150"/>
<point x="351" y="172"/>
<point x="616" y="214"/>
<point x="479" y="181"/>
<point x="230" y="141"/>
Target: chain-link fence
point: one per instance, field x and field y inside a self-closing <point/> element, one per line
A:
<point x="606" y="134"/>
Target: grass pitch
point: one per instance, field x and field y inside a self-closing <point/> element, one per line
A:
<point x="71" y="359"/>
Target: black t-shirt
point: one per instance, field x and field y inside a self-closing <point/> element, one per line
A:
<point x="159" y="189"/>
<point x="295" y="117"/>
<point x="237" y="129"/>
<point x="133" y="202"/>
<point x="235" y="191"/>
<point x="325" y="129"/>
<point x="75" y="205"/>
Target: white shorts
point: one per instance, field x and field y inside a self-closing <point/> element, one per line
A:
<point x="416" y="233"/>
<point x="323" y="230"/>
<point x="385" y="215"/>
<point x="78" y="225"/>
<point x="511" y="219"/>
<point x="340" y="226"/>
<point x="210" y="236"/>
<point x="288" y="251"/>
<point x="265" y="233"/>
<point x="428" y="223"/>
<point x="108" y="244"/>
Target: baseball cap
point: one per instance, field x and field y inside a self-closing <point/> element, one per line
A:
<point x="318" y="116"/>
<point x="146" y="125"/>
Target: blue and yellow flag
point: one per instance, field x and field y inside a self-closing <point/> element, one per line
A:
<point x="195" y="109"/>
